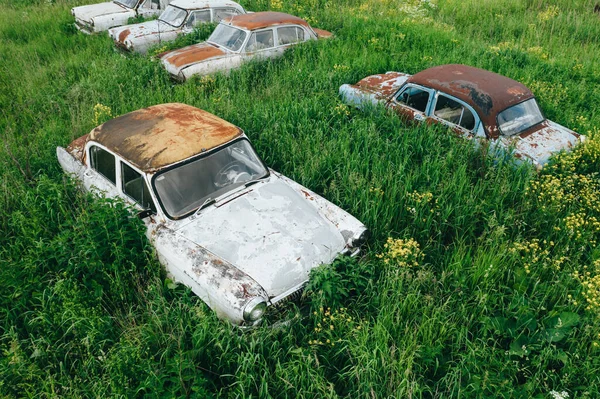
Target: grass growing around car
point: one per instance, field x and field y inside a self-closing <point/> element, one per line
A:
<point x="480" y="279"/>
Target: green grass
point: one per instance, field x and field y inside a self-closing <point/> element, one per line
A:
<point x="491" y="310"/>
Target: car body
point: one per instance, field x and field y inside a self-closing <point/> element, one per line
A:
<point x="94" y="18"/>
<point x="240" y="235"/>
<point x="237" y="40"/>
<point x="473" y="102"/>
<point x="179" y="18"/>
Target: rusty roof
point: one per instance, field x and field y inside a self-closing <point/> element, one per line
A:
<point x="487" y="92"/>
<point x="154" y="137"/>
<point x="264" y="19"/>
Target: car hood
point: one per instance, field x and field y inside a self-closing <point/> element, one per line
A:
<point x="271" y="233"/>
<point x="139" y="31"/>
<point x="178" y="59"/>
<point x="543" y="142"/>
<point x="87" y="13"/>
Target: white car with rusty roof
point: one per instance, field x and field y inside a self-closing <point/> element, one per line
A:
<point x="240" y="235"/>
<point x="475" y="103"/>
<point x="100" y="17"/>
<point x="179" y="18"/>
<point x="237" y="40"/>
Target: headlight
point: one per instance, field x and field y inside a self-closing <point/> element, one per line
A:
<point x="359" y="239"/>
<point x="254" y="309"/>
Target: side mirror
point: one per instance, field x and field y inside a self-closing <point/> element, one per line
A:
<point x="145" y="213"/>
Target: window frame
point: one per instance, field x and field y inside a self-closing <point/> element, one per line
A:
<point x="89" y="156"/>
<point x="252" y="32"/>
<point x="276" y="30"/>
<point x="214" y="10"/>
<point x="406" y="86"/>
<point x="144" y="179"/>
<point x="475" y="129"/>
<point x="185" y="25"/>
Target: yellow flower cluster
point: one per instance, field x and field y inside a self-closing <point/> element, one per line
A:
<point x="590" y="284"/>
<point x="536" y="252"/>
<point x="206" y="81"/>
<point x="419" y="200"/>
<point x="578" y="224"/>
<point x="377" y="191"/>
<point x="551" y="12"/>
<point x="502" y="46"/>
<point x="538" y="51"/>
<point x="401" y="253"/>
<point x="332" y="326"/>
<point x="342" y="110"/>
<point x="158" y="50"/>
<point x="101" y="113"/>
<point x="276" y="4"/>
<point x="341" y="68"/>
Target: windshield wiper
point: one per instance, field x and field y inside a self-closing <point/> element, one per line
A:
<point x="251" y="182"/>
<point x="207" y="202"/>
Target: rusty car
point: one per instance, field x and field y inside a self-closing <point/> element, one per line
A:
<point x="475" y="103"/>
<point x="179" y="18"/>
<point x="240" y="235"/>
<point x="237" y="40"/>
<point x="100" y="17"/>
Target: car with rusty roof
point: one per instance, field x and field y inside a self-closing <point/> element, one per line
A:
<point x="180" y="17"/>
<point x="242" y="236"/>
<point x="237" y="40"/>
<point x="100" y="17"/>
<point x="474" y="103"/>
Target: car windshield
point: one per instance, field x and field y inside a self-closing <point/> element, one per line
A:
<point x="127" y="3"/>
<point x="520" y="117"/>
<point x="187" y="187"/>
<point x="228" y="37"/>
<point x="174" y="16"/>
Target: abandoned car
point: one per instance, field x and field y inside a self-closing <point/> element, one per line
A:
<point x="100" y="17"/>
<point x="474" y="103"/>
<point x="179" y="18"/>
<point x="240" y="235"/>
<point x="239" y="39"/>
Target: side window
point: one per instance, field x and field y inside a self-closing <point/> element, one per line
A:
<point x="103" y="162"/>
<point x="260" y="40"/>
<point x="151" y="4"/>
<point x="415" y="98"/>
<point x="134" y="186"/>
<point x="454" y="112"/>
<point x="222" y="13"/>
<point x="289" y="34"/>
<point x="198" y="17"/>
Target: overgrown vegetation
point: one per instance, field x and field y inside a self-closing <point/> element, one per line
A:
<point x="479" y="280"/>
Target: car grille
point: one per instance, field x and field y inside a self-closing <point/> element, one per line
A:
<point x="293" y="297"/>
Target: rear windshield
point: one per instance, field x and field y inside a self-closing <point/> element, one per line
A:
<point x="520" y="117"/>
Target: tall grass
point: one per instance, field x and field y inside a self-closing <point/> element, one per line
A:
<point x="496" y="305"/>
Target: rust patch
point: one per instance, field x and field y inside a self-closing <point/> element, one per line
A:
<point x="77" y="146"/>
<point x="383" y="85"/>
<point x="259" y="20"/>
<point x="158" y="136"/>
<point x="307" y="195"/>
<point x="487" y="92"/>
<point x="123" y="35"/>
<point x="191" y="54"/>
<point x="322" y="34"/>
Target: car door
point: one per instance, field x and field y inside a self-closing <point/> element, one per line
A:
<point x="290" y="35"/>
<point x="221" y="13"/>
<point x="261" y="44"/>
<point x="195" y="18"/>
<point x="101" y="172"/>
<point x="149" y="8"/>
<point x="456" y="114"/>
<point x="412" y="102"/>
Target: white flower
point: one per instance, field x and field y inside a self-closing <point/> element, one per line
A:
<point x="559" y="395"/>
